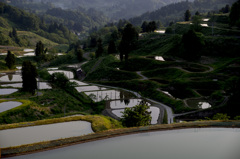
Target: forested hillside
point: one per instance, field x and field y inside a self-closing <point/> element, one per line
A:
<point x="114" y="9"/>
<point x="175" y="11"/>
<point x="78" y="19"/>
<point x="14" y="19"/>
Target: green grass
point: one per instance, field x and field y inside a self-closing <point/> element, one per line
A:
<point x="159" y="45"/>
<point x="34" y="38"/>
<point x="28" y="111"/>
<point x="110" y="74"/>
<point x="165" y="73"/>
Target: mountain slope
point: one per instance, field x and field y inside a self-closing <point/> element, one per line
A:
<point x="114" y="9"/>
<point x="175" y="12"/>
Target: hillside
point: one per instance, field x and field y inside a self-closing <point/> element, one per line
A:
<point x="12" y="17"/>
<point x="175" y="12"/>
<point x="78" y="19"/>
<point x="114" y="9"/>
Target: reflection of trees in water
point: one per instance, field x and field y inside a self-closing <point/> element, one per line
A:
<point x="10" y="77"/>
<point x="121" y="96"/>
<point x="93" y="96"/>
<point x="126" y="101"/>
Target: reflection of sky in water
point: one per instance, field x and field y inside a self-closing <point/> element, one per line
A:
<point x="11" y="78"/>
<point x="154" y="113"/>
<point x="79" y="83"/>
<point x="7" y="91"/>
<point x="89" y="88"/>
<point x="160" y="31"/>
<point x="205" y="20"/>
<point x="197" y="143"/>
<point x="159" y="58"/>
<point x="42" y="85"/>
<point x="204" y="25"/>
<point x="204" y="105"/>
<point x="29" y="54"/>
<point x="28" y="135"/>
<point x="8" y="105"/>
<point x="69" y="74"/>
<point x="28" y="50"/>
<point x="125" y="103"/>
<point x="108" y="95"/>
<point x="198" y="103"/>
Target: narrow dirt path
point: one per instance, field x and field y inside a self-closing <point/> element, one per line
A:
<point x="140" y="74"/>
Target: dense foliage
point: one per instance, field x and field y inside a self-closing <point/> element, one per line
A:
<point x="175" y="12"/>
<point x="137" y="115"/>
<point x="23" y="20"/>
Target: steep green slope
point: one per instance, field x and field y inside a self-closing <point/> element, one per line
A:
<point x="12" y="17"/>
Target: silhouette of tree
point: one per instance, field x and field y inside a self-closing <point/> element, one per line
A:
<point x="137" y="115"/>
<point x="10" y="60"/>
<point x="29" y="75"/>
<point x="128" y="42"/>
<point x="187" y="15"/>
<point x="100" y="49"/>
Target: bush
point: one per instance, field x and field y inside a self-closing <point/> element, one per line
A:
<point x="137" y="116"/>
<point x="220" y="116"/>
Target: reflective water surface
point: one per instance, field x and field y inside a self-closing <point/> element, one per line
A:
<point x="41" y="85"/>
<point x="69" y="74"/>
<point x="89" y="88"/>
<point x="127" y="103"/>
<point x="7" y="91"/>
<point x="4" y="106"/>
<point x="205" y="143"/>
<point x="108" y="95"/>
<point x="11" y="78"/>
<point x="27" y="135"/>
<point x="198" y="103"/>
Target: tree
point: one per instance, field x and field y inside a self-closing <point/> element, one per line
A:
<point x="39" y="49"/>
<point x="60" y="79"/>
<point x="100" y="49"/>
<point x="151" y="26"/>
<point x="197" y="13"/>
<point x="10" y="60"/>
<point x="187" y="15"/>
<point x="128" y="41"/>
<point x="234" y="15"/>
<point x="144" y="26"/>
<point x="193" y="43"/>
<point x="112" y="47"/>
<point x="197" y="20"/>
<point x="29" y="75"/>
<point x="79" y="53"/>
<point x="137" y="115"/>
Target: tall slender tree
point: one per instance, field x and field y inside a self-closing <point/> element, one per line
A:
<point x="128" y="42"/>
<point x="112" y="47"/>
<point x="39" y="49"/>
<point x="10" y="60"/>
<point x="187" y="15"/>
<point x="29" y="75"/>
<point x="100" y="49"/>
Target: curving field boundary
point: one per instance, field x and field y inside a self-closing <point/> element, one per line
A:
<point x="48" y="145"/>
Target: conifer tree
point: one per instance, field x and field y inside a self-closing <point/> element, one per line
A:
<point x="187" y="15"/>
<point x="10" y="60"/>
<point x="100" y="49"/>
<point x="29" y="75"/>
